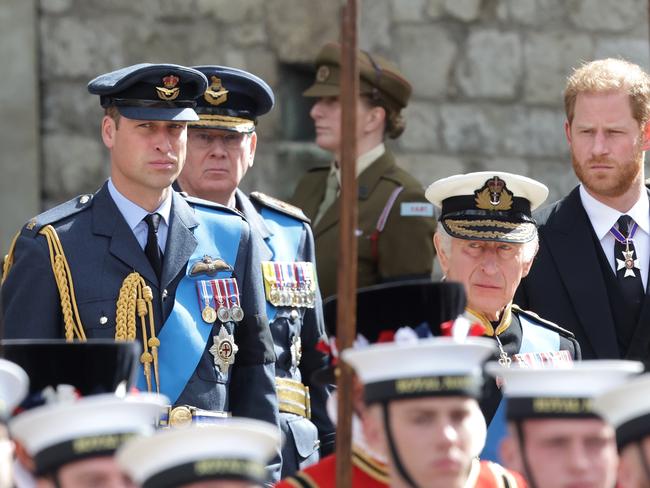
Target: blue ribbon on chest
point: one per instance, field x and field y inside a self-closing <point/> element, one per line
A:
<point x="184" y="335"/>
<point x="284" y="242"/>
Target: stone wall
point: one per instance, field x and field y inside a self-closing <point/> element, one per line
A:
<point x="487" y="75"/>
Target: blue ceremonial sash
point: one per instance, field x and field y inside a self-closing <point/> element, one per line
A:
<point x="283" y="242"/>
<point x="184" y="335"/>
<point x="534" y="338"/>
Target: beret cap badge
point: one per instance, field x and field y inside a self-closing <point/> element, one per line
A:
<point x="216" y="94"/>
<point x="322" y="74"/>
<point x="169" y="90"/>
<point x="494" y="195"/>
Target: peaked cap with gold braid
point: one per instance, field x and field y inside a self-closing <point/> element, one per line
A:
<point x="233" y="100"/>
<point x="488" y="205"/>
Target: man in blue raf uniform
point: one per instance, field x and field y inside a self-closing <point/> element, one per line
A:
<point x="137" y="261"/>
<point x="221" y="148"/>
<point x="487" y="241"/>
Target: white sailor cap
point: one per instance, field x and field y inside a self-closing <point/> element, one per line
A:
<point x="439" y="366"/>
<point x="566" y="391"/>
<point x="14" y="385"/>
<point x="60" y="433"/>
<point x="234" y="449"/>
<point x="488" y="205"/>
<point x="627" y="408"/>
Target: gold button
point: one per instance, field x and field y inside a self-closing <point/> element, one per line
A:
<point x="84" y="199"/>
<point x="103" y="320"/>
<point x="294" y="315"/>
<point x="164" y="294"/>
<point x="180" y="417"/>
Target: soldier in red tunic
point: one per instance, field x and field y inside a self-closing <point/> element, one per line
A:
<point x="420" y="412"/>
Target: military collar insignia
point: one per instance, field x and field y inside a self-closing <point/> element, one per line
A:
<point x="216" y="94"/>
<point x="322" y="74"/>
<point x="493" y="195"/>
<point x="170" y="89"/>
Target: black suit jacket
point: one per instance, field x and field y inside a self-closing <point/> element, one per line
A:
<point x="566" y="284"/>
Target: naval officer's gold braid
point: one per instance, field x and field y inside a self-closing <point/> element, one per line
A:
<point x="9" y="259"/>
<point x="136" y="298"/>
<point x="63" y="277"/>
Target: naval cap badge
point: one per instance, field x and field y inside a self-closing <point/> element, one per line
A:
<point x="493" y="195"/>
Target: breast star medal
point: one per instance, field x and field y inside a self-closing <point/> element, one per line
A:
<point x="224" y="350"/>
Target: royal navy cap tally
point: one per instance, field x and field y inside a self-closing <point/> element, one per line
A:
<point x="488" y="205"/>
<point x="92" y="367"/>
<point x="57" y="434"/>
<point x="233" y="100"/>
<point x="439" y="366"/>
<point x="14" y="385"/>
<point x="234" y="449"/>
<point x="421" y="305"/>
<point x="151" y="91"/>
<point x="560" y="392"/>
<point x="627" y="407"/>
<point x="379" y="78"/>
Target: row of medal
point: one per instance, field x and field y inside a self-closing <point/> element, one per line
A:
<point x="219" y="299"/>
<point x="289" y="284"/>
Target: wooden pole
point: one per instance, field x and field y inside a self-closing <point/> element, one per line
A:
<point x="347" y="263"/>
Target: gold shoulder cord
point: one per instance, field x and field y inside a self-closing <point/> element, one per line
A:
<point x="62" y="276"/>
<point x="136" y="297"/>
<point x="9" y="259"/>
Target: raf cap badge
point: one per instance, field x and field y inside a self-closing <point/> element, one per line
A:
<point x="494" y="195"/>
<point x="216" y="94"/>
<point x="169" y="90"/>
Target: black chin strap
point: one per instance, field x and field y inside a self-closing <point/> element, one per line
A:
<point x="528" y="473"/>
<point x="393" y="448"/>
<point x="644" y="460"/>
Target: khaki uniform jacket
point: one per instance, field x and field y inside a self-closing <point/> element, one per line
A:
<point x="404" y="248"/>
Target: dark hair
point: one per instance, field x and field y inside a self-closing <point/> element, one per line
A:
<point x="395" y="123"/>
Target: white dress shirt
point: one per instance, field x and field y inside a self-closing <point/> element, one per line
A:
<point x="603" y="219"/>
<point x="133" y="214"/>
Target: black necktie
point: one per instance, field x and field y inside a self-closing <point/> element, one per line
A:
<point x="627" y="267"/>
<point x="151" y="249"/>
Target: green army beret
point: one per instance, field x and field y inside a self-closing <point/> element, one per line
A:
<point x="379" y="77"/>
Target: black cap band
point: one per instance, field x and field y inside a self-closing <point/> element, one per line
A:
<point x="402" y="388"/>
<point x="53" y="457"/>
<point x="464" y="205"/>
<point x="549" y="407"/>
<point x="225" y="469"/>
<point x="132" y="102"/>
<point x="632" y="430"/>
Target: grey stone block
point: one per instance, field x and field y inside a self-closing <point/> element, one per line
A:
<point x="408" y="10"/>
<point x="633" y="50"/>
<point x="492" y="65"/>
<point x="549" y="59"/>
<point x="465" y="10"/>
<point x="426" y="55"/>
<point x="422" y="124"/>
<point x="73" y="165"/>
<point x="605" y="15"/>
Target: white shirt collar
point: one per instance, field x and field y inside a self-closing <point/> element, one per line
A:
<point x="603" y="218"/>
<point x="133" y="214"/>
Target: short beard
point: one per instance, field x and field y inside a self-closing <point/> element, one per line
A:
<point x="628" y="174"/>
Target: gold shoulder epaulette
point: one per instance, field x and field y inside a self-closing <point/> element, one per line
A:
<point x="279" y="205"/>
